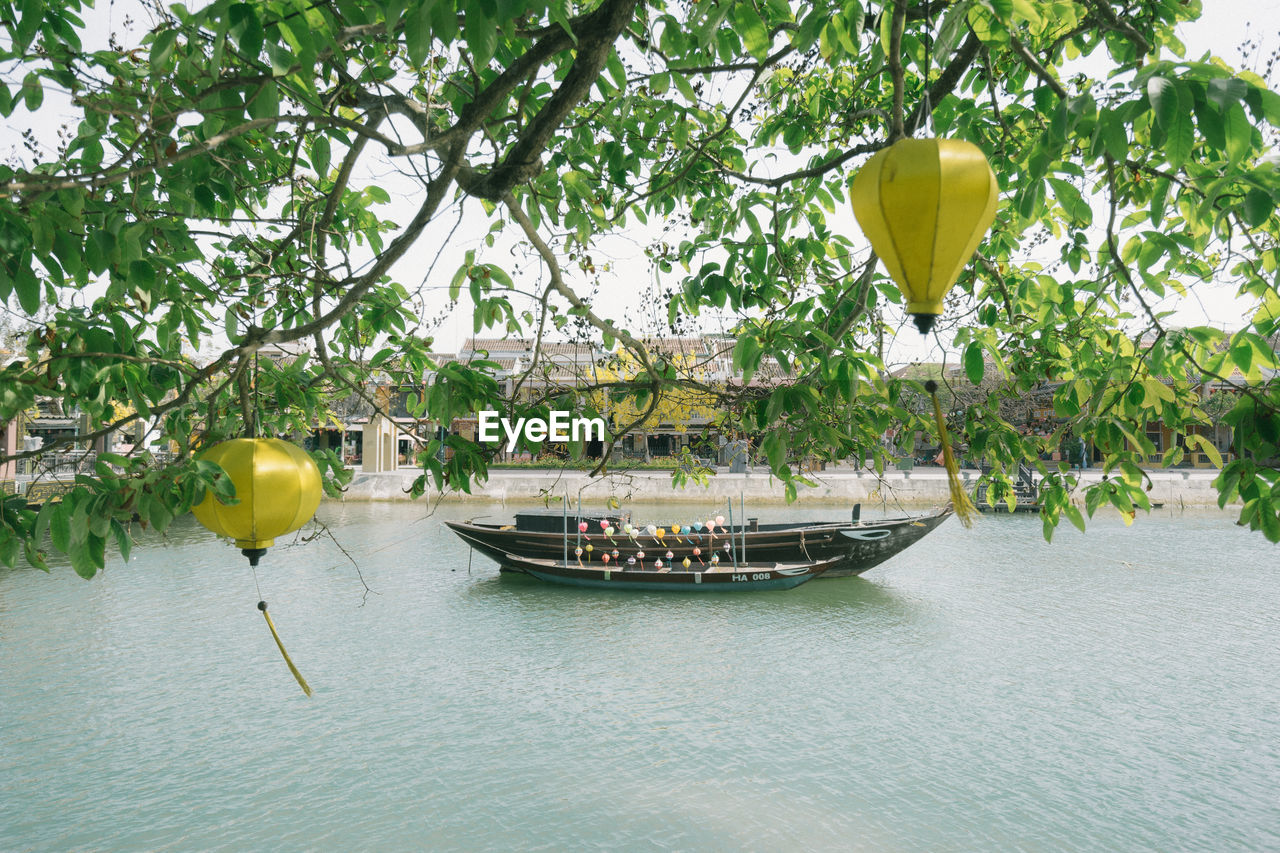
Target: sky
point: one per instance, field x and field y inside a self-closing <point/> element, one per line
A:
<point x="629" y="292"/>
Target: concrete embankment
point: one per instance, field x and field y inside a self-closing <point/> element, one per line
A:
<point x="917" y="488"/>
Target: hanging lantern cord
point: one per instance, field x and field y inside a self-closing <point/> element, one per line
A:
<point x="262" y="605"/>
<point x="965" y="510"/>
<point x="302" y="682"/>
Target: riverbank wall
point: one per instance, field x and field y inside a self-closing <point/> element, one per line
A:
<point x="920" y="487"/>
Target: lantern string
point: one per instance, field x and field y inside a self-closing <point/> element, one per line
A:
<point x="965" y="510"/>
<point x="262" y="605"/>
<point x="302" y="682"/>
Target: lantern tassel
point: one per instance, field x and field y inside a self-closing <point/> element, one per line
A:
<point x="302" y="682"/>
<point x="965" y="510"/>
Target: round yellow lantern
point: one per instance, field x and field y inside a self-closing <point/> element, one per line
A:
<point x="277" y="484"/>
<point x="925" y="205"/>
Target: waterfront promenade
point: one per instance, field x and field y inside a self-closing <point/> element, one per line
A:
<point x="923" y="486"/>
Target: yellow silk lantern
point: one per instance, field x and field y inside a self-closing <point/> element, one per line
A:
<point x="278" y="486"/>
<point x="925" y="205"/>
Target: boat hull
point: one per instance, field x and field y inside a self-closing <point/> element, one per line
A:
<point x="856" y="547"/>
<point x="748" y="578"/>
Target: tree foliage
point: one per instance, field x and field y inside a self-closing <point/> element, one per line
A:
<point x="223" y="186"/>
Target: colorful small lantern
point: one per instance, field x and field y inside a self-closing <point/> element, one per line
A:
<point x="925" y="205"/>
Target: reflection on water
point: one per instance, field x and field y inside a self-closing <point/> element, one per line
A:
<point x="981" y="690"/>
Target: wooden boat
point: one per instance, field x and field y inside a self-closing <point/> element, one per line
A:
<point x="855" y="545"/>
<point x="753" y="576"/>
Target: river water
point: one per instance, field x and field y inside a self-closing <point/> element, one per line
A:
<point x="1116" y="690"/>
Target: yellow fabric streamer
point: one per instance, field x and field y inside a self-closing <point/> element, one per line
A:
<point x="302" y="682"/>
<point x="965" y="510"/>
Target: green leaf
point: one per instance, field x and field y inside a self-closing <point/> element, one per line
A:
<point x="162" y="49"/>
<point x="32" y="92"/>
<point x="320" y="156"/>
<point x="68" y="251"/>
<point x="60" y="527"/>
<point x="481" y="34"/>
<point x="755" y="35"/>
<point x="1257" y="207"/>
<point x="1268" y="520"/>
<point x="28" y="288"/>
<point x="1164" y="100"/>
<point x="1071" y="200"/>
<point x="974" y="364"/>
<point x="1226" y="92"/>
<point x="1207" y="447"/>
<point x="1239" y="132"/>
<point x="1180" y="140"/>
<point x="1242" y="355"/>
<point x="265" y="102"/>
<point x="142" y="274"/>
<point x="417" y="35"/>
<point x="1115" y="135"/>
<point x="1002" y="8"/>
